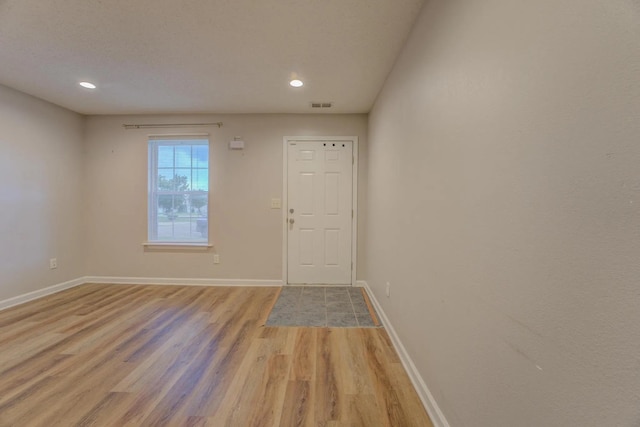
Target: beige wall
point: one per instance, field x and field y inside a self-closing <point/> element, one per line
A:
<point x="40" y="194"/>
<point x="246" y="232"/>
<point x="504" y="168"/>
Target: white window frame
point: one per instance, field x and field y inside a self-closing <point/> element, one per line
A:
<point x="153" y="143"/>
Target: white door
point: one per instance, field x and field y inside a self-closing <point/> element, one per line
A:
<point x="319" y="212"/>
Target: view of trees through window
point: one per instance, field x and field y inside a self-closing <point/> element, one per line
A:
<point x="179" y="190"/>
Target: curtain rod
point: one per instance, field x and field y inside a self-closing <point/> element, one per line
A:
<point x="170" y="125"/>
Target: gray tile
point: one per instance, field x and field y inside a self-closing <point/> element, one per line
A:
<point x="311" y="302"/>
<point x="360" y="307"/>
<point x="355" y="291"/>
<point x="357" y="298"/>
<point x="338" y="298"/>
<point x="285" y="306"/>
<point x="291" y="291"/>
<point x="312" y="319"/>
<point x="290" y="295"/>
<point x="281" y="319"/>
<point x="288" y="300"/>
<point x="313" y="290"/>
<point x="341" y="320"/>
<point x="365" y="321"/>
<point x="306" y="304"/>
<point x="340" y="307"/>
<point x="313" y="309"/>
<point x="317" y="298"/>
<point x="315" y="306"/>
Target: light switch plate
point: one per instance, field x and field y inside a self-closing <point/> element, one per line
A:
<point x="276" y="204"/>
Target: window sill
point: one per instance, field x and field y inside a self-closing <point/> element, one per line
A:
<point x="168" y="246"/>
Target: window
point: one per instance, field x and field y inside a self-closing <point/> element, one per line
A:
<point x="178" y="190"/>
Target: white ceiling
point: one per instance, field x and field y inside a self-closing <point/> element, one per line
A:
<point x="202" y="56"/>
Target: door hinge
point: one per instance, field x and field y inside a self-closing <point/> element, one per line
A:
<point x="351" y="213"/>
<point x="353" y="160"/>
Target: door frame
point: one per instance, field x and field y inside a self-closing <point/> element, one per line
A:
<point x="285" y="199"/>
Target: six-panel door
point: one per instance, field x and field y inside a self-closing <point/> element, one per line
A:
<point x="320" y="212"/>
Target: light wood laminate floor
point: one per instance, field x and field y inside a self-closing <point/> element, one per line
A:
<point x="129" y="355"/>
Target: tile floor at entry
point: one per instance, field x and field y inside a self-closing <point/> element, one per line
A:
<point x="329" y="306"/>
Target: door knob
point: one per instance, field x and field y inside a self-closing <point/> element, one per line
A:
<point x="291" y="221"/>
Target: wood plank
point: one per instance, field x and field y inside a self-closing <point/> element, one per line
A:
<point x="131" y="355"/>
<point x="303" y="367"/>
<point x="372" y="312"/>
<point x="298" y="408"/>
<point x="328" y="393"/>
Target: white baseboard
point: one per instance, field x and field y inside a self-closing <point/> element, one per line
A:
<point x="430" y="404"/>
<point x="436" y="415"/>
<point x="21" y="299"/>
<point x="183" y="282"/>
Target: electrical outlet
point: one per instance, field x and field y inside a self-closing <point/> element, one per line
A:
<point x="216" y="258"/>
<point x="53" y="263"/>
<point x="388" y="289"/>
<point x="276" y="203"/>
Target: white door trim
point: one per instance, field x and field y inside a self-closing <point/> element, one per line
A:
<point x="285" y="202"/>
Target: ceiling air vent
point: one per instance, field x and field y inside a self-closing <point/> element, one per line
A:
<point x="321" y="105"/>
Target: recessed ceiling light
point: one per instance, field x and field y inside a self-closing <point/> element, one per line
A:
<point x="87" y="85"/>
<point x="296" y="83"/>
